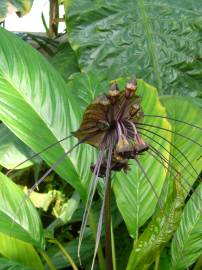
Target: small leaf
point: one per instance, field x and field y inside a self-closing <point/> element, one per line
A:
<point x="17" y="219"/>
<point x="20" y="252"/>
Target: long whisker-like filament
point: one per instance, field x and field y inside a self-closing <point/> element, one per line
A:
<point x="172" y="119"/>
<point x="152" y="139"/>
<point x="152" y="186"/>
<point x="174" y="146"/>
<point x="43" y="150"/>
<point x="168" y="169"/>
<point x="154" y="150"/>
<point x="37" y="154"/>
<point x="52" y="168"/>
<point x="26" y="196"/>
<point x="156" y="157"/>
<point x="91" y="192"/>
<point x="107" y="179"/>
<point x="171" y="131"/>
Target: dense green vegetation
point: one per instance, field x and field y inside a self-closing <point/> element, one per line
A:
<point x="156" y="223"/>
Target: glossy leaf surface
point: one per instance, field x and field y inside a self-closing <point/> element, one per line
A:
<point x="159" y="41"/>
<point x="34" y="103"/>
<point x="20" y="252"/>
<point x="12" y="150"/>
<point x="163" y="225"/>
<point x="185" y="109"/>
<point x="187" y="243"/>
<point x="18" y="217"/>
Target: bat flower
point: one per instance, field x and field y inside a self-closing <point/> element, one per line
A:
<point x="110" y="122"/>
<point x="113" y="124"/>
<point x="110" y="125"/>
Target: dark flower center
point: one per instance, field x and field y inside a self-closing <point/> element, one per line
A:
<point x="112" y="118"/>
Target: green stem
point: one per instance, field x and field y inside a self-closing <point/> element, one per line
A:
<point x="93" y="226"/>
<point x="113" y="247"/>
<point x="108" y="239"/>
<point x="47" y="260"/>
<point x="66" y="254"/>
<point x="156" y="267"/>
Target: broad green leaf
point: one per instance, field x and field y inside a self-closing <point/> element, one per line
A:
<point x="6" y="264"/>
<point x="159" y="41"/>
<point x="135" y="196"/>
<point x="161" y="228"/>
<point x="9" y="7"/>
<point x="65" y="61"/>
<point x="12" y="150"/>
<point x="20" y="252"/>
<point x="185" y="109"/>
<point x="187" y="243"/>
<point x="34" y="103"/>
<point x="18" y="217"/>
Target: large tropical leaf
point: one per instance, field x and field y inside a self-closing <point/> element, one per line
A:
<point x="189" y="163"/>
<point x="187" y="243"/>
<point x="161" y="228"/>
<point x="135" y="196"/>
<point x="21" y="252"/>
<point x="12" y="150"/>
<point x="18" y="217"/>
<point x="34" y="103"/>
<point x="159" y="41"/>
<point x="9" y="7"/>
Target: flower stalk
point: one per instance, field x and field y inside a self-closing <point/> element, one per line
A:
<point x="108" y="238"/>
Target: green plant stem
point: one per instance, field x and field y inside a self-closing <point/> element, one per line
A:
<point x="48" y="260"/>
<point x="113" y="247"/>
<point x="93" y="226"/>
<point x="66" y="254"/>
<point x="156" y="267"/>
<point x="108" y="240"/>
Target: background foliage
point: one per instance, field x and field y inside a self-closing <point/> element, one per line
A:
<point x="42" y="101"/>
